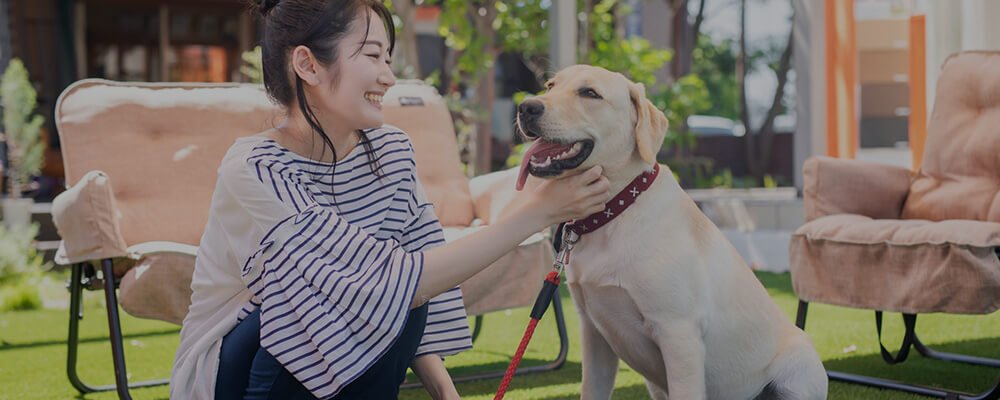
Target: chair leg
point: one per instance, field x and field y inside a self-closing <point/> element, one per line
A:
<point x="76" y="285"/>
<point x="800" y="317"/>
<point x="992" y="394"/>
<point x="477" y="328"/>
<point x="553" y="365"/>
<point x="931" y="353"/>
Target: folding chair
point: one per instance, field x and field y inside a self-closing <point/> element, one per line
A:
<point x="878" y="238"/>
<point x="143" y="160"/>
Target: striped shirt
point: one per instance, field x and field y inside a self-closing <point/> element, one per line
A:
<point x="334" y="262"/>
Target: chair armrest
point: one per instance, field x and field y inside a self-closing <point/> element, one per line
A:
<point x="841" y="186"/>
<point x="87" y="221"/>
<point x="492" y="193"/>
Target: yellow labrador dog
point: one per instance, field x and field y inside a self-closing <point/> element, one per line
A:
<point x="659" y="286"/>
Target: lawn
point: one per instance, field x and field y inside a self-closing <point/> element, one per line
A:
<point x="33" y="352"/>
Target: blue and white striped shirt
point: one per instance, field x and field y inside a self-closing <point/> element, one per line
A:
<point x="338" y="260"/>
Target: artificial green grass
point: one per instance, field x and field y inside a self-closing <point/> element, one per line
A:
<point x="33" y="352"/>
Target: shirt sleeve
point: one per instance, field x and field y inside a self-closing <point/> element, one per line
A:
<point x="333" y="299"/>
<point x="447" y="329"/>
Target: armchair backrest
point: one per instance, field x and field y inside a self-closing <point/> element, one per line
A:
<point x="959" y="177"/>
<point x="160" y="144"/>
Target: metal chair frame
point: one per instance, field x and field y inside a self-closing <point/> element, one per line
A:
<point x="991" y="394"/>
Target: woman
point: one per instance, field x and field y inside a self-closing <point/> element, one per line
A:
<point x="316" y="267"/>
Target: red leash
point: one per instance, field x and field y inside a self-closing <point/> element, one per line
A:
<point x="541" y="304"/>
<point x="549" y="287"/>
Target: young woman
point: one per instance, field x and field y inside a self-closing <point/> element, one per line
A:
<point x="316" y="267"/>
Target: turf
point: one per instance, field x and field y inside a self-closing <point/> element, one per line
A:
<point x="33" y="352"/>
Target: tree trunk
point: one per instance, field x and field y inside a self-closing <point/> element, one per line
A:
<point x="758" y="142"/>
<point x="680" y="38"/>
<point x="583" y="39"/>
<point x="407" y="52"/>
<point x="485" y="88"/>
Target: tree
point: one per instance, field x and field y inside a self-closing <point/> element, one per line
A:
<point x="22" y="127"/>
<point x="759" y="141"/>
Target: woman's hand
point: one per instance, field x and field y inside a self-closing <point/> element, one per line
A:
<point x="429" y="368"/>
<point x="563" y="199"/>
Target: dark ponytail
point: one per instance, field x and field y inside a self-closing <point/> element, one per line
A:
<point x="318" y="25"/>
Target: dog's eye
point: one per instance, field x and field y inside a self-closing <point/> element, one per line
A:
<point x="549" y="85"/>
<point x="588" y="92"/>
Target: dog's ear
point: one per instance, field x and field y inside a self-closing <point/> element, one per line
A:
<point x="650" y="125"/>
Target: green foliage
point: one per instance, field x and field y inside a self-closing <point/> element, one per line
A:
<point x="254" y="68"/>
<point x="518" y="27"/>
<point x="22" y="127"/>
<point x="684" y="98"/>
<point x="20" y="268"/>
<point x="715" y="64"/>
<point x="22" y="295"/>
<point x="634" y="57"/>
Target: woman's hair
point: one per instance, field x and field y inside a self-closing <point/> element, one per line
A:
<point x="319" y="25"/>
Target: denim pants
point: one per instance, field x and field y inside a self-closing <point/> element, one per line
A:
<point x="247" y="371"/>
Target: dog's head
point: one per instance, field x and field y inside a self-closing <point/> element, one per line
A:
<point x="588" y="116"/>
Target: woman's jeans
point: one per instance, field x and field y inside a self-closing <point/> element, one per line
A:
<point x="248" y="371"/>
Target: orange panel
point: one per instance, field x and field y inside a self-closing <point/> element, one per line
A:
<point x="841" y="79"/>
<point x="918" y="88"/>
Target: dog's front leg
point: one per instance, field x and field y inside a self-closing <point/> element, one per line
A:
<point x="683" y="351"/>
<point x="600" y="364"/>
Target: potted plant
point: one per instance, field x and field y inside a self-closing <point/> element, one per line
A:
<point x="21" y="129"/>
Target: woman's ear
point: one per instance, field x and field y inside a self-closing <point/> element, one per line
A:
<point x="305" y="65"/>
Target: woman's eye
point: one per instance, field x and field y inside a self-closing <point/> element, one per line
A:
<point x="375" y="56"/>
<point x="588" y="92"/>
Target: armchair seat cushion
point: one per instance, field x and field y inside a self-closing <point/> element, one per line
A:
<point x="909" y="266"/>
<point x="158" y="287"/>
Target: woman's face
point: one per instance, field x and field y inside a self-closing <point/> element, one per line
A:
<point x="354" y="85"/>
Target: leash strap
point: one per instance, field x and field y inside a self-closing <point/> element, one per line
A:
<point x="541" y="305"/>
<point x="564" y="242"/>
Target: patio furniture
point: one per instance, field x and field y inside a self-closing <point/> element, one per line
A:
<point x="142" y="158"/>
<point x="882" y="238"/>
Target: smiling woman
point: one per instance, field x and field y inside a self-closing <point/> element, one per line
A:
<point x="325" y="274"/>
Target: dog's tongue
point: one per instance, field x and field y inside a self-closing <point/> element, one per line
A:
<point x="540" y="149"/>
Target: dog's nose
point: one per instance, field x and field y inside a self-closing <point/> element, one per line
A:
<point x="530" y="110"/>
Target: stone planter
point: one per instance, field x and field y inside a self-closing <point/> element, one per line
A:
<point x="16" y="212"/>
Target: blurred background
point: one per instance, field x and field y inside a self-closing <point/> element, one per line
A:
<point x="751" y="87"/>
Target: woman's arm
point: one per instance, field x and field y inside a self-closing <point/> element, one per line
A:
<point x="430" y="369"/>
<point x="553" y="201"/>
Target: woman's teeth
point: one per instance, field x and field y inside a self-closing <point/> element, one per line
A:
<point x="373" y="98"/>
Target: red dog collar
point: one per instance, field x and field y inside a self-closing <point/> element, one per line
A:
<point x="618" y="204"/>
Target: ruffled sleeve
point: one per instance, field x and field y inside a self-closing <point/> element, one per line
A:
<point x="332" y="298"/>
<point x="447" y="329"/>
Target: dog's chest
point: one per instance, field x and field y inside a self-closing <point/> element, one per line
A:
<point x="619" y="321"/>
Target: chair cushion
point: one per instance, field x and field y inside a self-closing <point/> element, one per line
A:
<point x="960" y="161"/>
<point x="910" y="266"/>
<point x="167" y="140"/>
<point x="158" y="287"/>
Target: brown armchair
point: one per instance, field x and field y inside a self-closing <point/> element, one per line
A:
<point x="142" y="158"/>
<point x="882" y="238"/>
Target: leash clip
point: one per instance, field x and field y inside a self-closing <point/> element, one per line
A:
<point x="569" y="239"/>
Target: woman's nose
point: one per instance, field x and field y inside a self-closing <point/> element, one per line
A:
<point x="387" y="78"/>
